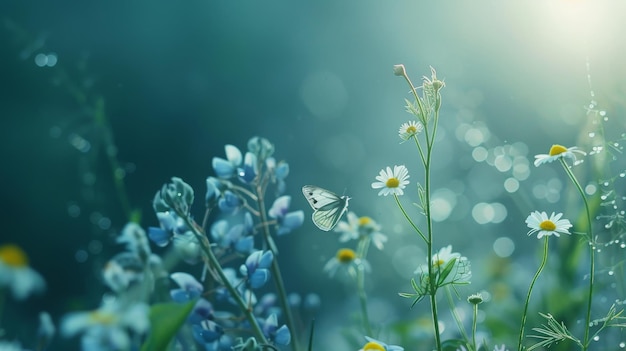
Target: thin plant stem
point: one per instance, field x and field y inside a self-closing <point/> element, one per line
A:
<point x="426" y="203"/>
<point x="455" y="315"/>
<point x="592" y="251"/>
<point x="419" y="148"/>
<point x="275" y="269"/>
<point x="214" y="263"/>
<point x="429" y="244"/>
<point x="474" y="320"/>
<point x="409" y="218"/>
<point x="362" y="253"/>
<point x="530" y="290"/>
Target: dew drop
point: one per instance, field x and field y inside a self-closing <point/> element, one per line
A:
<point x="602" y="113"/>
<point x="592" y="134"/>
<point x="622" y="344"/>
<point x="611" y="272"/>
<point x="596" y="338"/>
<point x="622" y="245"/>
<point x="606" y="119"/>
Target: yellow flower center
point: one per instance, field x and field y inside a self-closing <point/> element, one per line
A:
<point x="438" y="263"/>
<point x="363" y="221"/>
<point x="557" y="149"/>
<point x="13" y="256"/>
<point x="411" y="129"/>
<point x="102" y="318"/>
<point x="392" y="182"/>
<point x="346" y="255"/>
<point x="373" y="346"/>
<point x="547" y="225"/>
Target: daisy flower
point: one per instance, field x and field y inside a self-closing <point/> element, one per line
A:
<point x="112" y="326"/>
<point x="16" y="275"/>
<point x="360" y="227"/>
<point x="345" y="260"/>
<point x="546" y="226"/>
<point x="556" y="152"/>
<point x="460" y="273"/>
<point x="377" y="345"/>
<point x="392" y="182"/>
<point x="409" y="130"/>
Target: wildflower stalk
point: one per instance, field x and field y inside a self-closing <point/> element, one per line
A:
<point x="215" y="264"/>
<point x="474" y="321"/>
<point x="362" y="249"/>
<point x="430" y="139"/>
<point x="456" y="317"/>
<point x="275" y="268"/>
<point x="592" y="251"/>
<point x="530" y="290"/>
<point x="409" y="218"/>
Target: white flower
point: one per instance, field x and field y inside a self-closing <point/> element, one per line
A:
<point x="410" y="129"/>
<point x="556" y="152"/>
<point x="107" y="326"/>
<point x="345" y="260"/>
<point x="377" y="345"/>
<point x="546" y="226"/>
<point x="459" y="274"/>
<point x="10" y="346"/>
<point x="392" y="182"/>
<point x="16" y="274"/>
<point x="360" y="227"/>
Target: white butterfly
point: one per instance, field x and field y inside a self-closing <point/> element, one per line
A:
<point x="328" y="207"/>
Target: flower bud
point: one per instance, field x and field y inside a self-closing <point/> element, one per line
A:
<point x="399" y="70"/>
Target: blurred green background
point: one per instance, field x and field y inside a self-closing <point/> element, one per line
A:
<point x="180" y="79"/>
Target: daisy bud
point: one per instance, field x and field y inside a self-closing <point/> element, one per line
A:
<point x="399" y="70"/>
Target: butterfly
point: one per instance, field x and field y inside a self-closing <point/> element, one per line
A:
<point x="328" y="207"/>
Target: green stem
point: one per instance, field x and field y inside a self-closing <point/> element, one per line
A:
<point x="214" y="264"/>
<point x="362" y="253"/>
<point x="530" y="290"/>
<point x="419" y="148"/>
<point x="475" y="317"/>
<point x="592" y="251"/>
<point x="409" y="219"/>
<point x="455" y="316"/>
<point x="429" y="244"/>
<point x="111" y="154"/>
<point x="275" y="268"/>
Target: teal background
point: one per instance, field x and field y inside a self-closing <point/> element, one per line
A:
<point x="180" y="80"/>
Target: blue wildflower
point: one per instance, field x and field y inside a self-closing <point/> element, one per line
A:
<point x="229" y="202"/>
<point x="261" y="147"/>
<point x="213" y="191"/>
<point x="234" y="237"/>
<point x="189" y="288"/>
<point x="255" y="268"/>
<point x="247" y="174"/>
<point x="281" y="336"/>
<point x="176" y="196"/>
<point x="225" y="168"/>
<point x="207" y="331"/>
<point x="287" y="221"/>
<point x="202" y="310"/>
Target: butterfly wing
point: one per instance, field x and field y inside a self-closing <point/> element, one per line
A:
<point x="328" y="207"/>
<point x="319" y="197"/>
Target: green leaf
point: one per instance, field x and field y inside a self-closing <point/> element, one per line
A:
<point x="446" y="271"/>
<point x="165" y="320"/>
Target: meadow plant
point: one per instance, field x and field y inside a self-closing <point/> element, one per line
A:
<point x="225" y="289"/>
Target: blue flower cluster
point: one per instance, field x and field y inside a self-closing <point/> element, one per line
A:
<point x="236" y="222"/>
